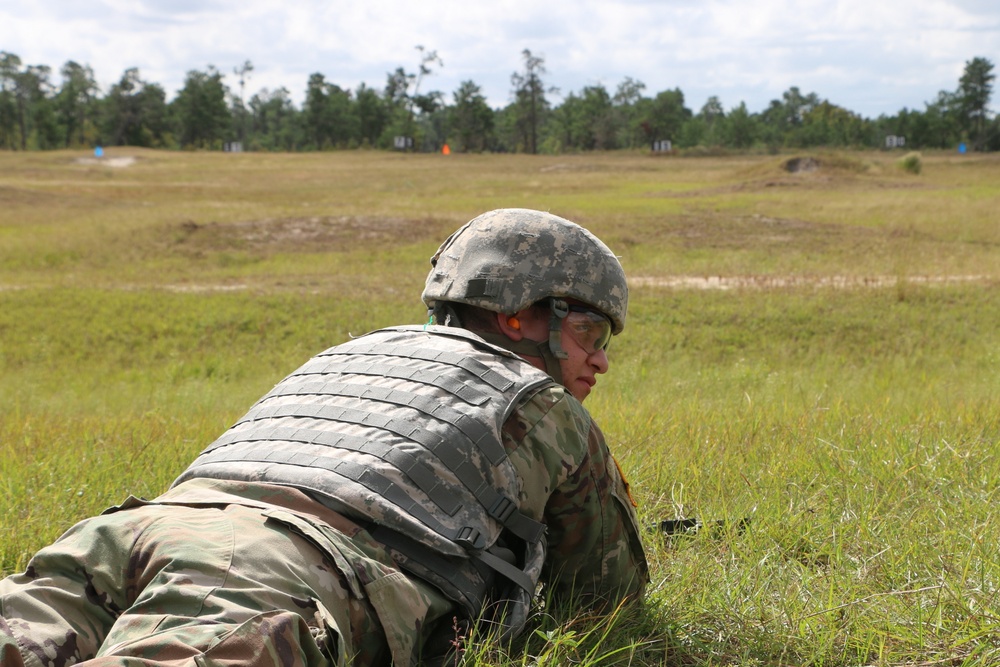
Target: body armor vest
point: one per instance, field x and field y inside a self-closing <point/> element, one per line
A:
<point x="400" y="429"/>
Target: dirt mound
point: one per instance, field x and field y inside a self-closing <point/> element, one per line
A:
<point x="798" y="165"/>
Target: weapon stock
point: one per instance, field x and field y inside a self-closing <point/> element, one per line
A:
<point x="694" y="525"/>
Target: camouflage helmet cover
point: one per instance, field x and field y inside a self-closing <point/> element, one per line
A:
<point x="508" y="259"/>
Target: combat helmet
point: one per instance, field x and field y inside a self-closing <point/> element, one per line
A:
<point x="509" y="259"/>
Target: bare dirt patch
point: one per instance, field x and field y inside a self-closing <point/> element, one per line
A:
<point x="113" y="162"/>
<point x="305" y="234"/>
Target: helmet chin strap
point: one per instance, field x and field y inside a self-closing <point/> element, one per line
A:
<point x="559" y="309"/>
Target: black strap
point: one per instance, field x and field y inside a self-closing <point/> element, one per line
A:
<point x="510" y="571"/>
<point x="447" y="570"/>
<point x="432" y="566"/>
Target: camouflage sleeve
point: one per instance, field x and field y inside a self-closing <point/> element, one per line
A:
<point x="572" y="483"/>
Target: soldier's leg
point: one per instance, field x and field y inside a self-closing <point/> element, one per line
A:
<point x="59" y="609"/>
<point x="170" y="585"/>
<point x="232" y="587"/>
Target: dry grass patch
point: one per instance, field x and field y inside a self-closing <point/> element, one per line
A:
<point x="756" y="231"/>
<point x="12" y="196"/>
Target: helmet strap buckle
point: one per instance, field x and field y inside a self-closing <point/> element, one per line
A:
<point x="559" y="310"/>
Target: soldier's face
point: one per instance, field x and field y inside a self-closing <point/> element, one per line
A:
<point x="581" y="367"/>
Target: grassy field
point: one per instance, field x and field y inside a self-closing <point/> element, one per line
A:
<point x="817" y="351"/>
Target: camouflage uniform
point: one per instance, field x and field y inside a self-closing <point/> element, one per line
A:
<point x="212" y="574"/>
<point x="220" y="572"/>
<point x="245" y="563"/>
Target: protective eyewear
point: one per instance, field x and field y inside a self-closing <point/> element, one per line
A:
<point x="590" y="328"/>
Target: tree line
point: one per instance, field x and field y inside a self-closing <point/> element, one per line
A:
<point x="39" y="113"/>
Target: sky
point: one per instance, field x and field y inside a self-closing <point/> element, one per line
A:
<point x="871" y="57"/>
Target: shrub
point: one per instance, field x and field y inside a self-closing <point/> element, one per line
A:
<point x="911" y="162"/>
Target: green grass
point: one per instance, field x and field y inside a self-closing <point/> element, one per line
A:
<point x="143" y="309"/>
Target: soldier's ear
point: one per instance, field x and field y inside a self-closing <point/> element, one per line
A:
<point x="510" y="326"/>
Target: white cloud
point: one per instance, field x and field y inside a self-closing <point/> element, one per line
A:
<point x="870" y="57"/>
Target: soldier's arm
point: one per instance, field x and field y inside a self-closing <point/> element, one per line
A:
<point x="594" y="550"/>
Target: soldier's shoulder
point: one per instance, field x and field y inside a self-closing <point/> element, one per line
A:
<point x="551" y="410"/>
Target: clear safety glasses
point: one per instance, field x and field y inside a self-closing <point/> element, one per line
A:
<point x="590" y="328"/>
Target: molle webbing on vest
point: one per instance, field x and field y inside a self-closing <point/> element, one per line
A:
<point x="414" y="468"/>
<point x="499" y="506"/>
<point x="478" y="434"/>
<point x="323" y="365"/>
<point x="450" y="408"/>
<point x="466" y="363"/>
<point x="480" y="370"/>
<point x="442" y="496"/>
